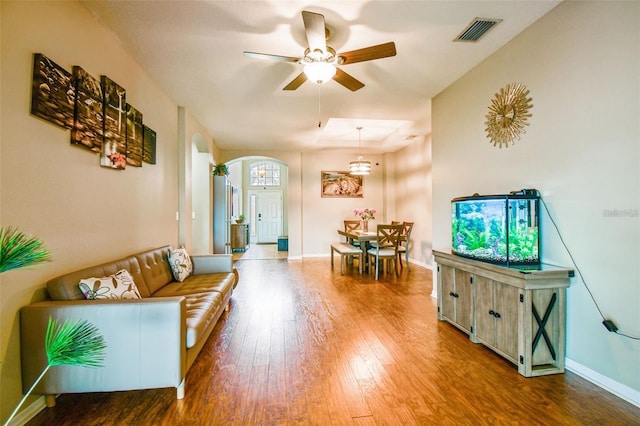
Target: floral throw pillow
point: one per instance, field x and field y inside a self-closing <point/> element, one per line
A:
<point x="180" y="264"/>
<point x="117" y="286"/>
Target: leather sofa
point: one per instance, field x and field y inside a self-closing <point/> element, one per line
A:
<point x="151" y="341"/>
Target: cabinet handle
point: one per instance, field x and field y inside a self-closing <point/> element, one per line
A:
<point x="492" y="313"/>
<point x="452" y="294"/>
<point x="496" y="314"/>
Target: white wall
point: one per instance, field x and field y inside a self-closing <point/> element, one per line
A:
<point x="85" y="214"/>
<point x="581" y="63"/>
<point x="322" y="217"/>
<point x="412" y="184"/>
<point x="202" y="231"/>
<point x="190" y="133"/>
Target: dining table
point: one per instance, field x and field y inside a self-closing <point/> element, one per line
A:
<point x="364" y="238"/>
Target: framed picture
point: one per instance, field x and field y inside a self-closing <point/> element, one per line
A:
<point x="87" y="120"/>
<point x="149" y="145"/>
<point x="53" y="92"/>
<point x="114" y="146"/>
<point x="340" y="184"/>
<point x="134" y="137"/>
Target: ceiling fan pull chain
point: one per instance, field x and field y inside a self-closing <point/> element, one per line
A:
<point x="319" y="115"/>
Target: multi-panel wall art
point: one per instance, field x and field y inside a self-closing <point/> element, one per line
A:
<point x="88" y="123"/>
<point x="114" y="144"/>
<point x="149" y="145"/>
<point x="96" y="112"/>
<point x="53" y="93"/>
<point x="134" y="137"/>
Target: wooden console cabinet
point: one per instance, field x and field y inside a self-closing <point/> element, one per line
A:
<point x="518" y="313"/>
<point x="239" y="236"/>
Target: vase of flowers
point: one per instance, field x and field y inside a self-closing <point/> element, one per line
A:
<point x="365" y="215"/>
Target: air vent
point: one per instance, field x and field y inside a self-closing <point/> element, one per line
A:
<point x="476" y="29"/>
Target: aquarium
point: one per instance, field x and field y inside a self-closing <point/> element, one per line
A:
<point x="501" y="229"/>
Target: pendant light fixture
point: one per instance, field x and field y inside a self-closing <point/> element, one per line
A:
<point x="360" y="166"/>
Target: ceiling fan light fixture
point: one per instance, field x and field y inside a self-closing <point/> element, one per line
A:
<point x="319" y="72"/>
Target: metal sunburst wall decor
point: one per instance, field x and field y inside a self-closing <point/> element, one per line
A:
<point x="508" y="114"/>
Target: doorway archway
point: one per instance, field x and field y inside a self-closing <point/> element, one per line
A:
<point x="263" y="183"/>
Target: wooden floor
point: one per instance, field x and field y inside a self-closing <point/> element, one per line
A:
<point x="304" y="345"/>
<point x="260" y="252"/>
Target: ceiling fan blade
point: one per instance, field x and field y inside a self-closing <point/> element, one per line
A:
<point x="368" y="53"/>
<point x="296" y="82"/>
<point x="347" y="80"/>
<point x="315" y="29"/>
<point x="271" y="57"/>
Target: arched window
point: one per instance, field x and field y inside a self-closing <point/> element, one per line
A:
<point x="264" y="173"/>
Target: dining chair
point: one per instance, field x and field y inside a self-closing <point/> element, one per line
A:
<point x="405" y="240"/>
<point x="386" y="247"/>
<point x="393" y="222"/>
<point x="352" y="225"/>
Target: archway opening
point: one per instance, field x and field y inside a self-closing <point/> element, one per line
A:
<point x="262" y="187"/>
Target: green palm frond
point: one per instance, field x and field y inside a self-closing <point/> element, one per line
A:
<point x="18" y="250"/>
<point x="74" y="343"/>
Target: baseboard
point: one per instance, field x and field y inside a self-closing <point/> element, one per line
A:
<point x="630" y="395"/>
<point x="29" y="412"/>
<point x="316" y="255"/>
<point x="312" y="255"/>
<point x="422" y="264"/>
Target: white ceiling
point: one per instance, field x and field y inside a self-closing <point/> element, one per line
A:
<point x="194" y="51"/>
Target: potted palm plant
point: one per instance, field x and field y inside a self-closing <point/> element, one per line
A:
<point x="220" y="169"/>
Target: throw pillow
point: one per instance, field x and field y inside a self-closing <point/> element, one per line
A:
<point x="117" y="286"/>
<point x="180" y="264"/>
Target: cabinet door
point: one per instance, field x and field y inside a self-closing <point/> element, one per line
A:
<point x="485" y="327"/>
<point x="238" y="236"/>
<point x="463" y="299"/>
<point x="506" y="308"/>
<point x="497" y="316"/>
<point x="446" y="298"/>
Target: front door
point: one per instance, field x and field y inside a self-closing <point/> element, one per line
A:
<point x="269" y="216"/>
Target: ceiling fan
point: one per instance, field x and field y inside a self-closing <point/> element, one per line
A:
<point x="320" y="61"/>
